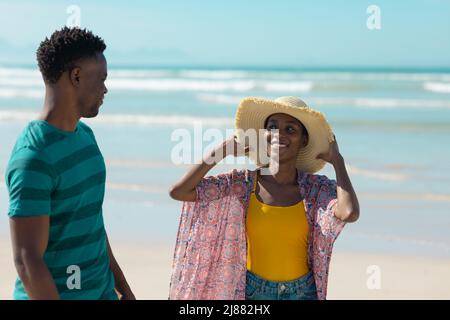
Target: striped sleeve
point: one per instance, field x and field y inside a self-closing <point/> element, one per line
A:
<point x="30" y="181"/>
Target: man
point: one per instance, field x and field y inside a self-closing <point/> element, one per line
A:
<point x="56" y="181"/>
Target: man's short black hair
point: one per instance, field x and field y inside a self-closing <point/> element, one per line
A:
<point x="59" y="53"/>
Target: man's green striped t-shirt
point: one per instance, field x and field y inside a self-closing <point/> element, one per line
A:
<point x="62" y="174"/>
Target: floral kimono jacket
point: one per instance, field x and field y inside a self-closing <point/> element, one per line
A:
<point x="211" y="247"/>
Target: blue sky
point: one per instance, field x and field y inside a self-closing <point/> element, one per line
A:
<point x="241" y="33"/>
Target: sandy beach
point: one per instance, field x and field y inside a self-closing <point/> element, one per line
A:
<point x="148" y="271"/>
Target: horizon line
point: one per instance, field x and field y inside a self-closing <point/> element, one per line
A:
<point x="438" y="69"/>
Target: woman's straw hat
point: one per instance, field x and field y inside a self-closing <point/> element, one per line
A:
<point x="253" y="112"/>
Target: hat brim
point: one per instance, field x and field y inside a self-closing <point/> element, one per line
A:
<point x="252" y="113"/>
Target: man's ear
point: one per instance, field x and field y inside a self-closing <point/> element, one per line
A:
<point x="74" y="76"/>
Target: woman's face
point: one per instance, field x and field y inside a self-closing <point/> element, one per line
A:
<point x="289" y="139"/>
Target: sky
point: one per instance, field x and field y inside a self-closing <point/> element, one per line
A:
<point x="280" y="33"/>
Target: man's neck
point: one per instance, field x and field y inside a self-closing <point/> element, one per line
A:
<point x="58" y="111"/>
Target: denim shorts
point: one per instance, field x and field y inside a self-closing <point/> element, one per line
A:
<point x="303" y="288"/>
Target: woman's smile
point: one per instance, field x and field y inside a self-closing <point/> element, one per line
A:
<point x="278" y="144"/>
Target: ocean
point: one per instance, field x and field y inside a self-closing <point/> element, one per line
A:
<point x="392" y="127"/>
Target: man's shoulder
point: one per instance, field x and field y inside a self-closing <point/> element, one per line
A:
<point x="33" y="136"/>
<point x="31" y="142"/>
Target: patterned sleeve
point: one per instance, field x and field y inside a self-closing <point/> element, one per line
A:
<point x="214" y="187"/>
<point x="327" y="205"/>
<point x="207" y="263"/>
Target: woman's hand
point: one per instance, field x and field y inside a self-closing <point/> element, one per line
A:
<point x="185" y="188"/>
<point x="332" y="155"/>
<point x="231" y="147"/>
<point x="348" y="206"/>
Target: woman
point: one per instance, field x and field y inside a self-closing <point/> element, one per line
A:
<point x="264" y="234"/>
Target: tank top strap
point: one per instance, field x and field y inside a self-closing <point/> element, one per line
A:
<point x="255" y="182"/>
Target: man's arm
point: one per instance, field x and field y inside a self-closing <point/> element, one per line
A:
<point x="122" y="286"/>
<point x="29" y="237"/>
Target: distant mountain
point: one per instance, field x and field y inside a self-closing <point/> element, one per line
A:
<point x="26" y="55"/>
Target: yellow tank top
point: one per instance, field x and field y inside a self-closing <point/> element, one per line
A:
<point x="277" y="240"/>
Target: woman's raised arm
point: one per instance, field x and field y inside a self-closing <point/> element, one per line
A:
<point x="185" y="188"/>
